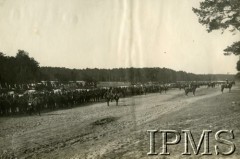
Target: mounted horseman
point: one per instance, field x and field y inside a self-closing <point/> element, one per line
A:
<point x="192" y="88"/>
<point x="211" y="84"/>
<point x="34" y="105"/>
<point x="108" y="96"/>
<point x="227" y="85"/>
<point x="4" y="105"/>
<point x="182" y="86"/>
<point x="163" y="88"/>
<point x="116" y="97"/>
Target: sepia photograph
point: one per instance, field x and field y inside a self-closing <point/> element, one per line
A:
<point x="119" y="79"/>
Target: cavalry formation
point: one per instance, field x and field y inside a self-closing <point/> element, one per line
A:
<point x="34" y="102"/>
<point x="227" y="85"/>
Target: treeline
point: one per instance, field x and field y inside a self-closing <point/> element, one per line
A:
<point x="24" y="69"/>
<point x="18" y="69"/>
<point x="126" y="75"/>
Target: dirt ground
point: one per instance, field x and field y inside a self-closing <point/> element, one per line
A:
<point x="99" y="131"/>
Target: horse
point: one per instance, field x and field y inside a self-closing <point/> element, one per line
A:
<point x="190" y="89"/>
<point x="211" y="84"/>
<point x="229" y="86"/>
<point x="34" y="105"/>
<point x="108" y="97"/>
<point x="163" y="88"/>
<point x="116" y="97"/>
<point x="4" y="106"/>
<point x="182" y="86"/>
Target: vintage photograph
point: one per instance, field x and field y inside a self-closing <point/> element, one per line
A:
<point x="119" y="79"/>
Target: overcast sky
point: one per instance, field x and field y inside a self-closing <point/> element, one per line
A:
<point x="114" y="33"/>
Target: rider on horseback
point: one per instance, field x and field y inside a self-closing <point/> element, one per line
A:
<point x="116" y="97"/>
<point x="191" y="84"/>
<point x="227" y="81"/>
<point x="191" y="88"/>
<point x="108" y="96"/>
<point x="227" y="85"/>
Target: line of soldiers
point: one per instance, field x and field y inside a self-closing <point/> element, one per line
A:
<point x="47" y="100"/>
<point x="35" y="103"/>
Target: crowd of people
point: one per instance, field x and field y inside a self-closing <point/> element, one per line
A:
<point x="47" y="100"/>
<point x="34" y="102"/>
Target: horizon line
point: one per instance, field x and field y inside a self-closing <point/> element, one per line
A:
<point x="135" y="68"/>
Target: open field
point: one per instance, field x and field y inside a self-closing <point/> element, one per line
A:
<point x="99" y="131"/>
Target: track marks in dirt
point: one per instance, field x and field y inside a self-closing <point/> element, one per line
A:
<point x="104" y="121"/>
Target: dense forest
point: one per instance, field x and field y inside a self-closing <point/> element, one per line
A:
<point x="19" y="69"/>
<point x="125" y="75"/>
<point x="24" y="69"/>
